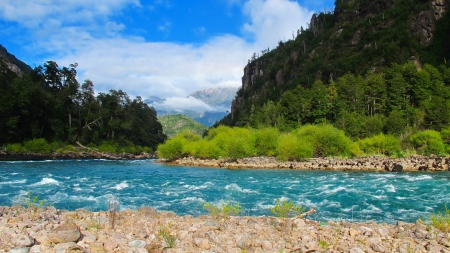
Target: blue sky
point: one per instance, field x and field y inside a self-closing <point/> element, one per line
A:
<point x="163" y="48"/>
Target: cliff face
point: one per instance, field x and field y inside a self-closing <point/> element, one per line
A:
<point x="14" y="64"/>
<point x="359" y="36"/>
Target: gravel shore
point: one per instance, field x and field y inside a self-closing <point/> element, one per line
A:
<point x="373" y="163"/>
<point x="146" y="230"/>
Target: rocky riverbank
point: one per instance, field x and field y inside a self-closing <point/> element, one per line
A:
<point x="373" y="163"/>
<point x="146" y="230"/>
<point x="28" y="156"/>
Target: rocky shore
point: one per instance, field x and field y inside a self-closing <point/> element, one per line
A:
<point x="11" y="156"/>
<point x="373" y="163"/>
<point x="146" y="230"/>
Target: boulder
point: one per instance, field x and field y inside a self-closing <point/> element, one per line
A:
<point x="65" y="233"/>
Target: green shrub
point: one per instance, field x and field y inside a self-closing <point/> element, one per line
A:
<point x="287" y="209"/>
<point x="427" y="142"/>
<point x="206" y="149"/>
<point x="37" y="146"/>
<point x="326" y="140"/>
<point x="234" y="142"/>
<point x="224" y="210"/>
<point x="290" y="147"/>
<point x="441" y="221"/>
<point x="266" y="141"/>
<point x="15" y="147"/>
<point x="380" y="145"/>
<point x="108" y="147"/>
<point x="172" y="149"/>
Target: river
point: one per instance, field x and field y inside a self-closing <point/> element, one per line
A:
<point x="353" y="196"/>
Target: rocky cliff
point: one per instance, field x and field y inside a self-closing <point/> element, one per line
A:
<point x="14" y="64"/>
<point x="359" y="36"/>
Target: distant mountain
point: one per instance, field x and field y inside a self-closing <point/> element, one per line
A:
<point x="173" y="124"/>
<point x="153" y="99"/>
<point x="217" y="104"/>
<point x="14" y="64"/>
<point x="216" y="96"/>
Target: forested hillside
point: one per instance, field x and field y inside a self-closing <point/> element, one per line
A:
<point x="174" y="124"/>
<point x="368" y="67"/>
<point x="49" y="103"/>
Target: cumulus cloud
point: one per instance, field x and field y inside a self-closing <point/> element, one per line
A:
<point x="179" y="104"/>
<point x="148" y="68"/>
<point x="274" y="20"/>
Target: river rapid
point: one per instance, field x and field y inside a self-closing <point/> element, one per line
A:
<point x="336" y="195"/>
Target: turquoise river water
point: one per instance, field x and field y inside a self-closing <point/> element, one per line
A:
<point x="355" y="196"/>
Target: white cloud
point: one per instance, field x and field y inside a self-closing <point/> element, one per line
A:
<point x="38" y="13"/>
<point x="180" y="104"/>
<point x="146" y="68"/>
<point x="274" y="20"/>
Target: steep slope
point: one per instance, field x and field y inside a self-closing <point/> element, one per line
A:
<point x="216" y="96"/>
<point x="174" y="124"/>
<point x="14" y="64"/>
<point x="359" y="37"/>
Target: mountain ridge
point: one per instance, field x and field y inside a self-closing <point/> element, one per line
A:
<point x="358" y="37"/>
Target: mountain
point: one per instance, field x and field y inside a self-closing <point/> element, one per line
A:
<point x="204" y="106"/>
<point x="360" y="39"/>
<point x="216" y="96"/>
<point x="173" y="124"/>
<point x="14" y="64"/>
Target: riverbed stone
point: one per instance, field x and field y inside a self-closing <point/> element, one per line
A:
<point x="68" y="232"/>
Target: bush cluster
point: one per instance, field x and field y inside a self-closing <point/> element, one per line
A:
<point x="300" y="144"/>
<point x="41" y="146"/>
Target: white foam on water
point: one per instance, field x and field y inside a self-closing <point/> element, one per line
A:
<point x="171" y="194"/>
<point x="390" y="188"/>
<point x="121" y="186"/>
<point x="83" y="179"/>
<point x="198" y="187"/>
<point x="46" y="181"/>
<point x="329" y="203"/>
<point x="400" y="198"/>
<point x="418" y="178"/>
<point x="335" y="190"/>
<point x="261" y="206"/>
<point x="23" y="181"/>
<point x="166" y="183"/>
<point x="192" y="199"/>
<point x="83" y="198"/>
<point x="371" y="209"/>
<point x="235" y="187"/>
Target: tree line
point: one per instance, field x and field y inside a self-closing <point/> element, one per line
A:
<point x="49" y="103"/>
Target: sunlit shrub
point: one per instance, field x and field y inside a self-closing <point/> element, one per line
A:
<point x="108" y="147"/>
<point x="15" y="147"/>
<point x="427" y="142"/>
<point x="326" y="140"/>
<point x="206" y="149"/>
<point x="173" y="148"/>
<point x="380" y="145"/>
<point x="37" y="146"/>
<point x="291" y="147"/>
<point x="266" y="141"/>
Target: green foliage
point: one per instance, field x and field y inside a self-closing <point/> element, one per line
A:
<point x="49" y="104"/>
<point x="15" y="148"/>
<point x="173" y="148"/>
<point x="380" y="145"/>
<point x="37" y="146"/>
<point x="427" y="142"/>
<point x="287" y="209"/>
<point x="174" y="124"/>
<point x="291" y="147"/>
<point x="266" y="141"/>
<point x="223" y="210"/>
<point x="441" y="220"/>
<point x="166" y="234"/>
<point x="326" y="140"/>
<point x="32" y="202"/>
<point x="108" y="147"/>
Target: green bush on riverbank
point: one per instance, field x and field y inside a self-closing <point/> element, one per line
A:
<point x="41" y="146"/>
<point x="300" y="144"/>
